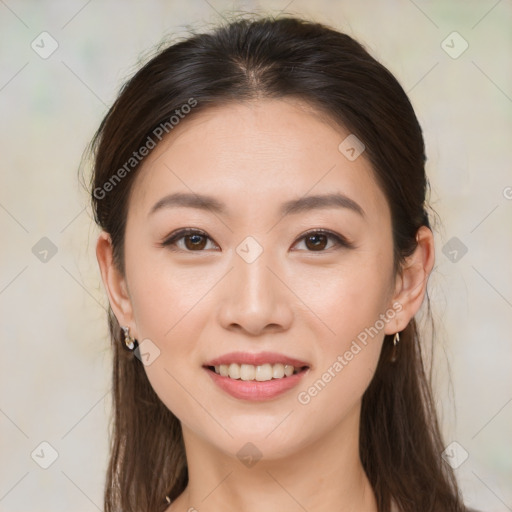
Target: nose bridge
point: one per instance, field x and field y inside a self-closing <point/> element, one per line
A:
<point x="254" y="297"/>
<point x="253" y="282"/>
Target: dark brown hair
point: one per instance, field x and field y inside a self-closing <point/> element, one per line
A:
<point x="263" y="57"/>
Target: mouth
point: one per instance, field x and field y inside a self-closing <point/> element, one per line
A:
<point x="256" y="377"/>
<point x="259" y="373"/>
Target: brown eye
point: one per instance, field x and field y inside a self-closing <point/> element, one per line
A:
<point x="317" y="241"/>
<point x="194" y="240"/>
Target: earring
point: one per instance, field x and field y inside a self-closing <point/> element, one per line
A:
<point x="129" y="341"/>
<point x="396" y="339"/>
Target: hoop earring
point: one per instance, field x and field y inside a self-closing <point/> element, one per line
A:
<point x="129" y="341"/>
<point x="396" y="339"/>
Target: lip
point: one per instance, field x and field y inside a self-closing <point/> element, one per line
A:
<point x="255" y="359"/>
<point x="255" y="390"/>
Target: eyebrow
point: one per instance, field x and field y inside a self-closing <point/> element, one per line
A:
<point x="294" y="206"/>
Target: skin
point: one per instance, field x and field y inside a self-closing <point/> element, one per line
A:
<point x="305" y="303"/>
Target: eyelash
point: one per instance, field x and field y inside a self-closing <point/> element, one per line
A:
<point x="340" y="241"/>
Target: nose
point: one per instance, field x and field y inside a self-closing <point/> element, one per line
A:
<point x="254" y="298"/>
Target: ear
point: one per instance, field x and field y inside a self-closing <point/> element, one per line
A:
<point x="114" y="282"/>
<point x="411" y="282"/>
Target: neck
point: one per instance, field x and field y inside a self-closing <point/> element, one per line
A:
<point x="323" y="476"/>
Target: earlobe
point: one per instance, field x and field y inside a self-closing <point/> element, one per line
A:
<point x="411" y="283"/>
<point x="114" y="281"/>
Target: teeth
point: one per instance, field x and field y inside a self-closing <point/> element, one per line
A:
<point x="247" y="372"/>
<point x="260" y="373"/>
<point x="264" y="372"/>
<point x="234" y="371"/>
<point x="278" y="371"/>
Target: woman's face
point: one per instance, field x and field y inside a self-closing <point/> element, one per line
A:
<point x="248" y="281"/>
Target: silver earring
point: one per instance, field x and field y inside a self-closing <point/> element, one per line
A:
<point x="396" y="339"/>
<point x="129" y="341"/>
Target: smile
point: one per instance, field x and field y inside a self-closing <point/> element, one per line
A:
<point x="260" y="373"/>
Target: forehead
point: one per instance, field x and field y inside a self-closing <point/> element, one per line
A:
<point x="253" y="154"/>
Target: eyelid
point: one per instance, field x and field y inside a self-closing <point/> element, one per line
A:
<point x="340" y="240"/>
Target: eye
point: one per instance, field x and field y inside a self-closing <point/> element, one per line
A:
<point x="317" y="240"/>
<point x="195" y="240"/>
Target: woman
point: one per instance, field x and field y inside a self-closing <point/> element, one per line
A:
<point x="265" y="248"/>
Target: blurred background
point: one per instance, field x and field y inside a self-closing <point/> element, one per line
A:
<point x="61" y="67"/>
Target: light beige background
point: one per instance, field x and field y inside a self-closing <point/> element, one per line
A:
<point x="55" y="358"/>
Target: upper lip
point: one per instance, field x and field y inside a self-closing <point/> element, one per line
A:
<point x="256" y="359"/>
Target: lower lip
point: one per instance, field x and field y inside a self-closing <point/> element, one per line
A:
<point x="256" y="390"/>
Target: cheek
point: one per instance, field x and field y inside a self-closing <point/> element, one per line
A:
<point x="168" y="310"/>
<point x="347" y="300"/>
<point x="346" y="363"/>
<point x="163" y="295"/>
<point x="171" y="307"/>
<point x="352" y="306"/>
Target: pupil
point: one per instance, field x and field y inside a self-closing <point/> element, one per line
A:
<point x="195" y="241"/>
<point x="316" y="237"/>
